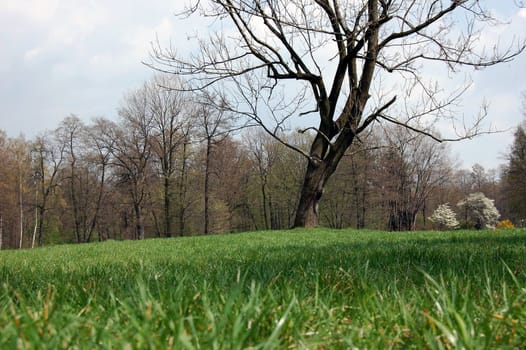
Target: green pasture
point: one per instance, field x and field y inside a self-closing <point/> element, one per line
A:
<point x="297" y="289"/>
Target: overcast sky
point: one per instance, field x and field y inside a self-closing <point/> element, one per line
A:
<point x="61" y="57"/>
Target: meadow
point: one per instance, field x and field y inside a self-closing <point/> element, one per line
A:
<point x="295" y="289"/>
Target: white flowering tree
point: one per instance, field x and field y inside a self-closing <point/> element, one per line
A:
<point x="480" y="211"/>
<point x="444" y="217"/>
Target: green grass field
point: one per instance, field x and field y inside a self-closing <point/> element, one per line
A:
<point x="306" y="289"/>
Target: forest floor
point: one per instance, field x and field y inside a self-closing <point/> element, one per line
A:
<point x="296" y="289"/>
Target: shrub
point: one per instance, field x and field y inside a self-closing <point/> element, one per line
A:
<point x="480" y="211"/>
<point x="505" y="224"/>
<point x="444" y="217"/>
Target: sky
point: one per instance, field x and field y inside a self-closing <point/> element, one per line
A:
<point x="63" y="57"/>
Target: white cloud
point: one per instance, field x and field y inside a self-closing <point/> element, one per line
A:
<point x="33" y="10"/>
<point x="32" y="54"/>
<point x="68" y="28"/>
<point x="141" y="38"/>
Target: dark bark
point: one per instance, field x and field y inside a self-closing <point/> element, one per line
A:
<point x="139" y="227"/>
<point x="46" y="186"/>
<point x="41" y="212"/>
<point x="311" y="193"/>
<point x="401" y="219"/>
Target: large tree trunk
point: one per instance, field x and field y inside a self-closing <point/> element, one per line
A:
<point x="320" y="168"/>
<point x="41" y="225"/>
<point x="311" y="192"/>
<point x="139" y="227"/>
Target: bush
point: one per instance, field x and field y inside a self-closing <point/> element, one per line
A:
<point x="444" y="217"/>
<point x="480" y="211"/>
<point x="505" y="224"/>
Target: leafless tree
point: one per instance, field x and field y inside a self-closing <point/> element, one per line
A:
<point x="355" y="63"/>
<point x="70" y="135"/>
<point x="214" y="122"/>
<point x="263" y="153"/>
<point x="132" y="152"/>
<point x="171" y="122"/>
<point x="230" y="185"/>
<point x="413" y="167"/>
<point x="349" y="192"/>
<point x="183" y="202"/>
<point x="99" y="155"/>
<point x="48" y="158"/>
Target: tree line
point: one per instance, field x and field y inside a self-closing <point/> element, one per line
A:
<point x="176" y="163"/>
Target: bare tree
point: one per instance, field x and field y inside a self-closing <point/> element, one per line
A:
<point x="232" y="168"/>
<point x="132" y="152"/>
<point x="349" y="190"/>
<point x="183" y="203"/>
<point x="169" y="109"/>
<point x="99" y="157"/>
<point x="263" y="153"/>
<point x="214" y="122"/>
<point x="69" y="133"/>
<point x="48" y="158"/>
<point x="479" y="177"/>
<point x="413" y="167"/>
<point x="354" y="62"/>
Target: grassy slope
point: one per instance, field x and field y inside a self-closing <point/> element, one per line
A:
<point x="297" y="289"/>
